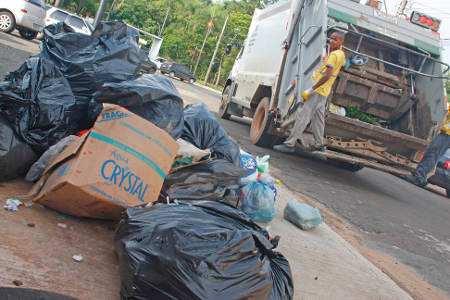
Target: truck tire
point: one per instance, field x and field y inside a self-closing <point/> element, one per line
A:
<point x="347" y="166"/>
<point x="223" y="108"/>
<point x="7" y="22"/>
<point x="28" y="34"/>
<point x="261" y="123"/>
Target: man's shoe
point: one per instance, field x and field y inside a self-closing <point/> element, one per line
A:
<point x="415" y="180"/>
<point x="284" y="148"/>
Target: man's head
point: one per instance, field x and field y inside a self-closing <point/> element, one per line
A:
<point x="336" y="40"/>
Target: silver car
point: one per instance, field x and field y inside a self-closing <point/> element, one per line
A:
<point x="27" y="16"/>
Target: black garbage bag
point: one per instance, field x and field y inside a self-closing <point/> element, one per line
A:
<point x="213" y="180"/>
<point x="15" y="155"/>
<point x="110" y="54"/>
<point x="203" y="130"/>
<point x="38" y="102"/>
<point x="207" y="250"/>
<point x="153" y="97"/>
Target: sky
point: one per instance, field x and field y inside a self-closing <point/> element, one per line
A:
<point x="435" y="8"/>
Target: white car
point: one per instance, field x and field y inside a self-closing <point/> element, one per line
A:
<point x="27" y="16"/>
<point x="78" y="24"/>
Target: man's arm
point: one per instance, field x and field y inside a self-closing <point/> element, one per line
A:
<point x="326" y="76"/>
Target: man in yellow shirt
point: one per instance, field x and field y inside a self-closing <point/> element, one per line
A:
<point x="437" y="148"/>
<point x="315" y="99"/>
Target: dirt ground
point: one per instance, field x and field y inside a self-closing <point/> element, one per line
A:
<point x="37" y="245"/>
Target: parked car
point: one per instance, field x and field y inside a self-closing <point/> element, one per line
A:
<point x="442" y="175"/>
<point x="176" y="70"/>
<point x="77" y="23"/>
<point x="158" y="62"/>
<point x="148" y="66"/>
<point x="27" y="16"/>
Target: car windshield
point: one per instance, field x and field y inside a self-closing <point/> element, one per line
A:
<point x="59" y="15"/>
<point x="39" y="3"/>
<point x="76" y="22"/>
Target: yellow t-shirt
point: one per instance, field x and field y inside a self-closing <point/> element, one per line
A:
<point x="446" y="128"/>
<point x="336" y="59"/>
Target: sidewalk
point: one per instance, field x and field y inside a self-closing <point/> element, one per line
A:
<point x="325" y="266"/>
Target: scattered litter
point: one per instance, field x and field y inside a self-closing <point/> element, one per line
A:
<point x="78" y="257"/>
<point x="31" y="225"/>
<point x="12" y="204"/>
<point x="62" y="225"/>
<point x="213" y="245"/>
<point x="17" y="282"/>
<point x="302" y="215"/>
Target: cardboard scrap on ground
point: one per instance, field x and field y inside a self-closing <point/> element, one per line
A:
<point x="122" y="162"/>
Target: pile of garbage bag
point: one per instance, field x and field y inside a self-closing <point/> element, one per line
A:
<point x="110" y="54"/>
<point x="51" y="96"/>
<point x="15" y="155"/>
<point x="200" y="250"/>
<point x="203" y="130"/>
<point x="83" y="101"/>
<point x="38" y="102"/>
<point x="153" y="97"/>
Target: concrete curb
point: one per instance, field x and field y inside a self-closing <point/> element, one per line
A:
<point x="324" y="265"/>
<point x="208" y="88"/>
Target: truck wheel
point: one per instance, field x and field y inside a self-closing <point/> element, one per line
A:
<point x="260" y="126"/>
<point x="28" y="34"/>
<point x="347" y="166"/>
<point x="7" y="22"/>
<point x="223" y="108"/>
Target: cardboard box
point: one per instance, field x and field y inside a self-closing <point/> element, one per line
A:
<point x="121" y="162"/>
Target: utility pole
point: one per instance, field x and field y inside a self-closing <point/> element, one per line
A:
<point x="218" y="72"/>
<point x="100" y="12"/>
<point x="208" y="31"/>
<point x="161" y="30"/>
<point x="402" y="7"/>
<point x="215" y="50"/>
<point x="57" y="3"/>
<point x="385" y="6"/>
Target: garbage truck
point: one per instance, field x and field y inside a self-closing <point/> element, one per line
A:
<point x="387" y="103"/>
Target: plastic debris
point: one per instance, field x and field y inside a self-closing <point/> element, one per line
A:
<point x="12" y="204"/>
<point x="302" y="215"/>
<point x="257" y="197"/>
<point x="78" y="258"/>
<point x="62" y="225"/>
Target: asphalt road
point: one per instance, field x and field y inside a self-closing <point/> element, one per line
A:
<point x="409" y="223"/>
<point x="395" y="217"/>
